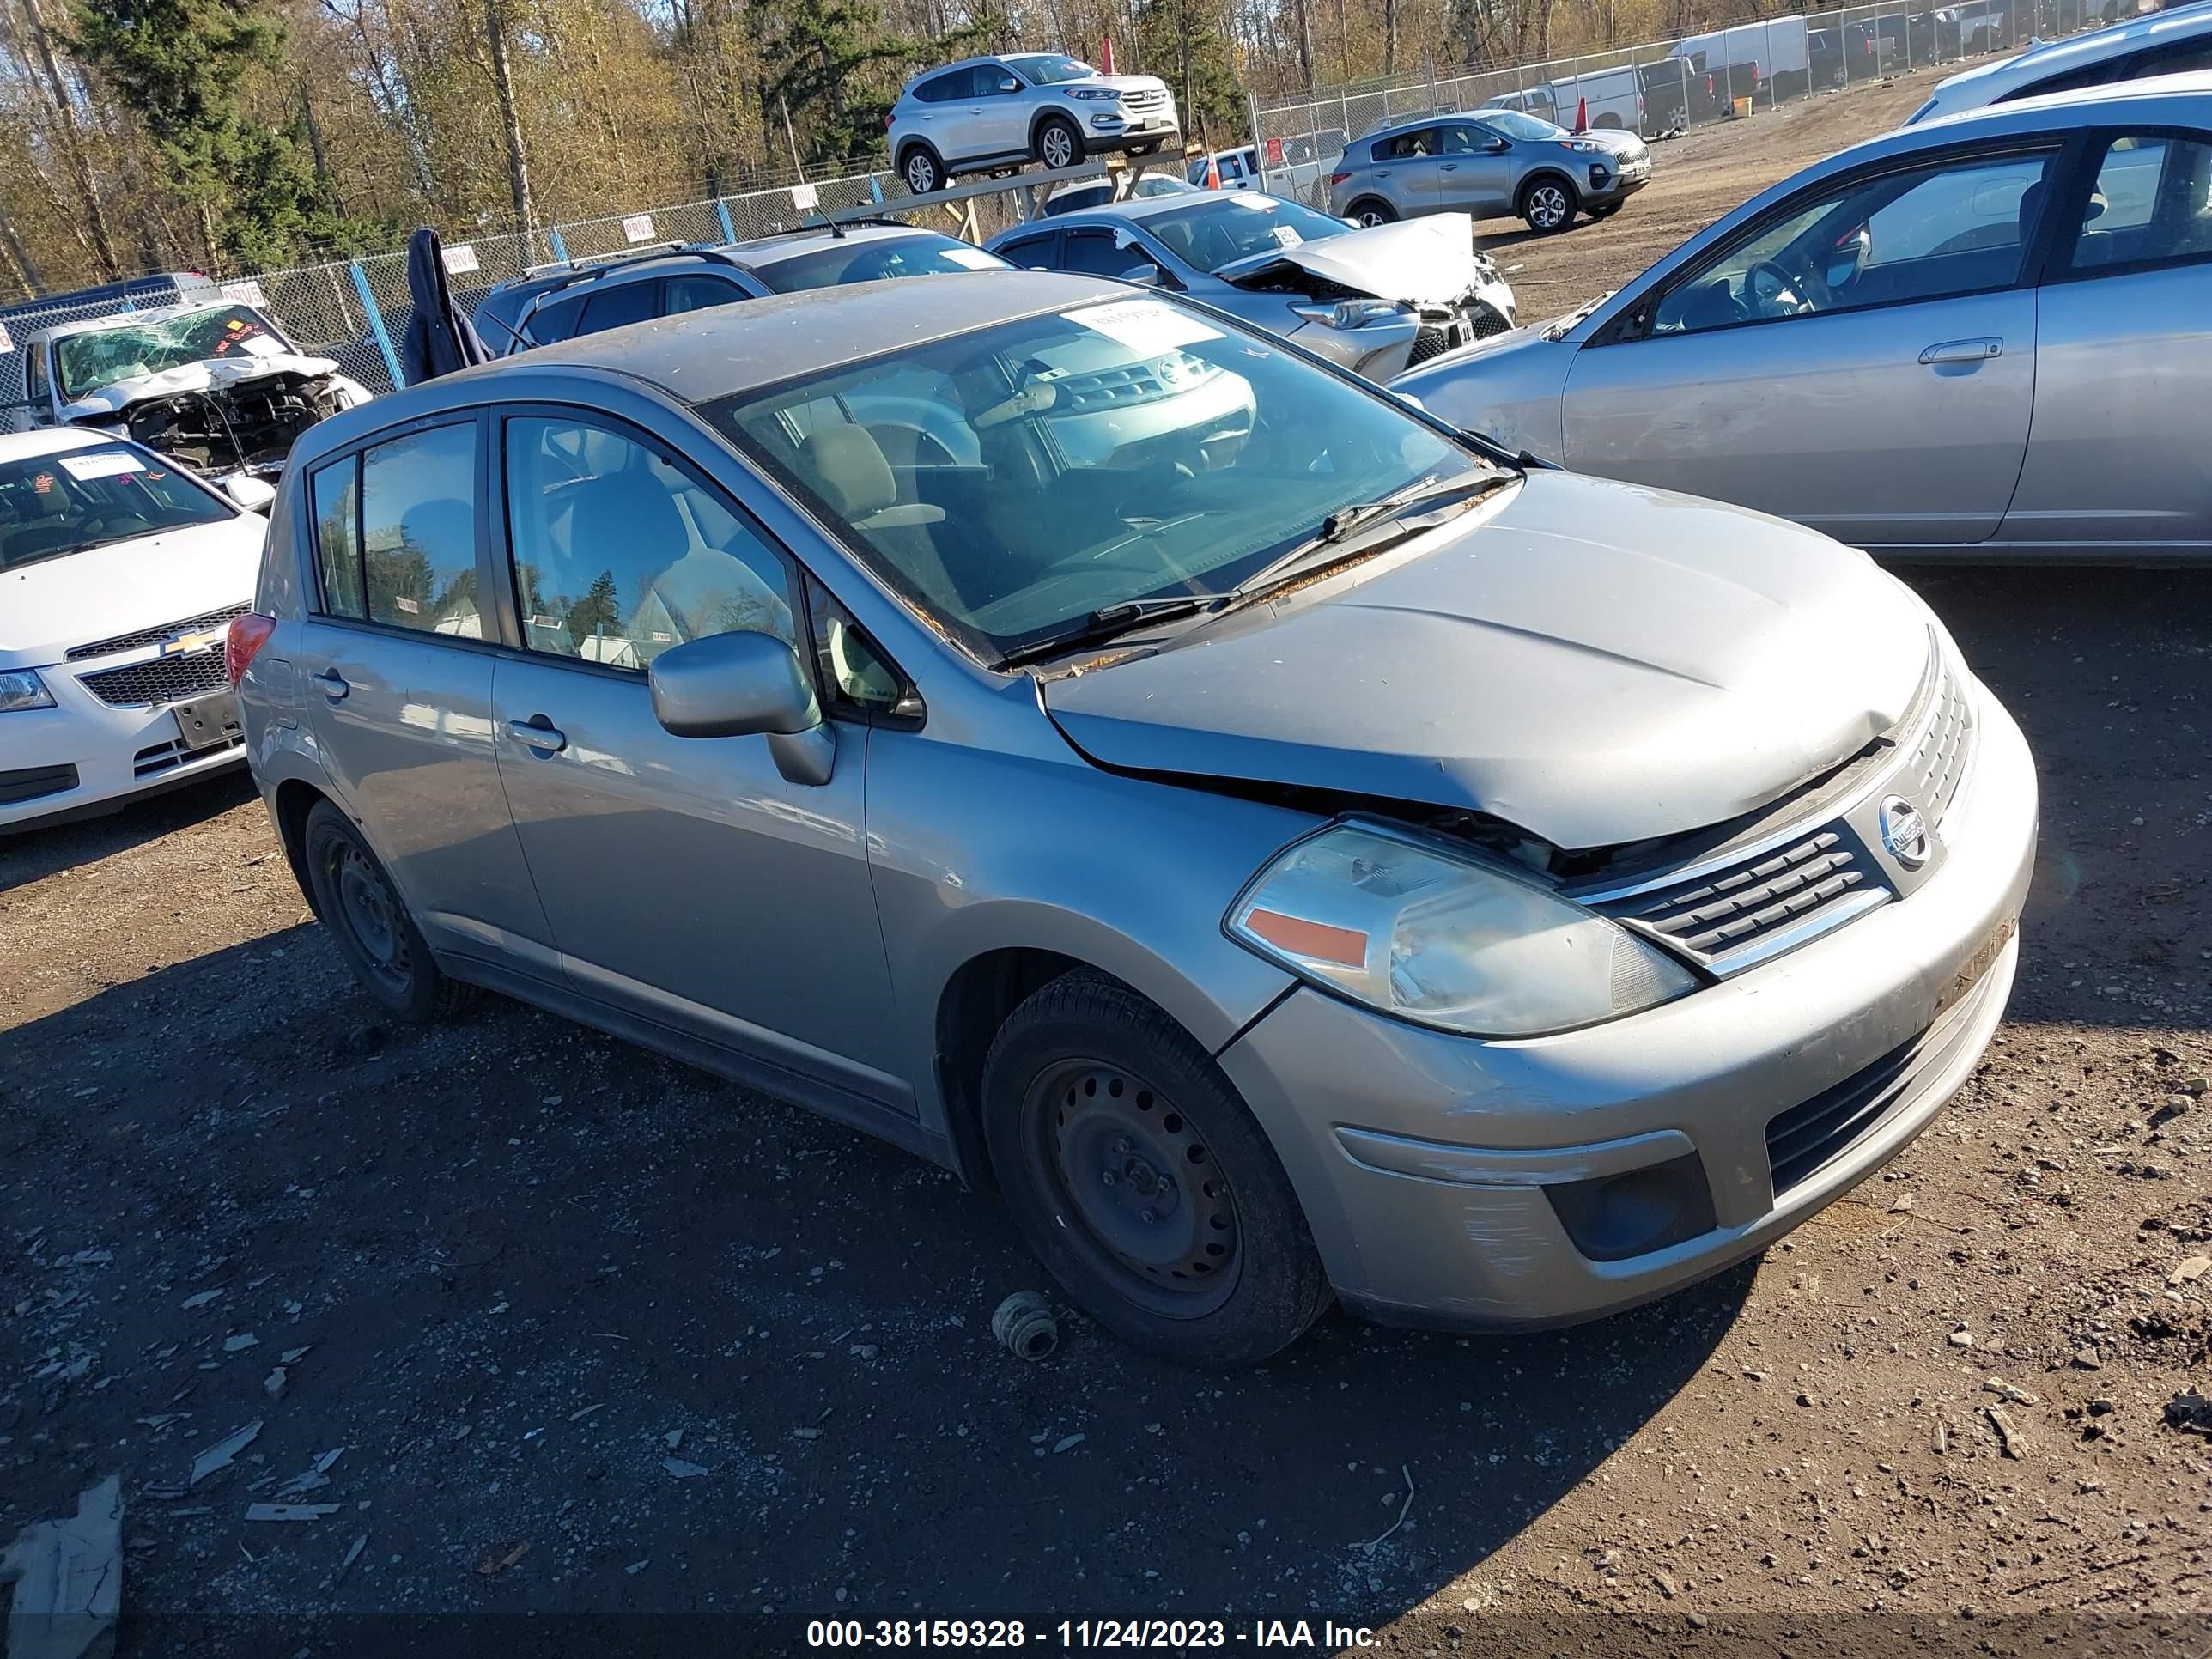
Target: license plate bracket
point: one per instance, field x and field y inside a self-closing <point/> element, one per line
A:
<point x="207" y="722"/>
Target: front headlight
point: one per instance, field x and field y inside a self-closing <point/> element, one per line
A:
<point x="1412" y="929"/>
<point x="1355" y="313"/>
<point x="19" y="687"/>
<point x="1095" y="94"/>
<point x="1584" y="146"/>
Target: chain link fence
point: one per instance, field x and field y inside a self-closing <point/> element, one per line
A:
<point x="1660" y="88"/>
<point x="356" y="312"/>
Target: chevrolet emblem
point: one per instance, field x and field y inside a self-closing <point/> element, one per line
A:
<point x="177" y="645"/>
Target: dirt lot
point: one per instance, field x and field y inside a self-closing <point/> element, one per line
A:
<point x="598" y="1335"/>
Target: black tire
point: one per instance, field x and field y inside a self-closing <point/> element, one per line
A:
<point x="1370" y="211"/>
<point x="1217" y="1269"/>
<point x="1142" y="150"/>
<point x="920" y="171"/>
<point x="1548" y="203"/>
<point x="365" y="914"/>
<point x="1058" y="142"/>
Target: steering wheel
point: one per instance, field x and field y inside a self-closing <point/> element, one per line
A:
<point x="1771" y="290"/>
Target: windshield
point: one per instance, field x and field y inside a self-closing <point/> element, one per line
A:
<point x="1050" y="68"/>
<point x="1013" y="480"/>
<point x="1224" y="228"/>
<point x="1512" y="123"/>
<point x="76" y="500"/>
<point x="925" y="255"/>
<point x="85" y="362"/>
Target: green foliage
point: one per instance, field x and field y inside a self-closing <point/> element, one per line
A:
<point x="178" y="66"/>
<point x="834" y="64"/>
<point x="1182" y="44"/>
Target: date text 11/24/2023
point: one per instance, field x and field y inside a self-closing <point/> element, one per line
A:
<point x="1071" y="1635"/>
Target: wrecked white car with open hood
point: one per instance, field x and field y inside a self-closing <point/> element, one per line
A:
<point x="1376" y="301"/>
<point x="217" y="388"/>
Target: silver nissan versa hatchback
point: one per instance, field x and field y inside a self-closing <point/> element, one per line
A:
<point x="1285" y="847"/>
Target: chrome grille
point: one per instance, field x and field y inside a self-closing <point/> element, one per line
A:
<point x="165" y="679"/>
<point x="1723" y="910"/>
<point x="1930" y="775"/>
<point x="1144" y="100"/>
<point x="146" y="637"/>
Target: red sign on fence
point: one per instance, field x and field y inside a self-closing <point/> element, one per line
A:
<point x="1274" y="152"/>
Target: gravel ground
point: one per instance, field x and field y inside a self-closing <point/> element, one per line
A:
<point x="590" y="1333"/>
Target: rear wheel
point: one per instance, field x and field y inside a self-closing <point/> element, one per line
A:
<point x="922" y="173"/>
<point x="1371" y="210"/>
<point x="1142" y="1183"/>
<point x="366" y="914"/>
<point x="1059" y="145"/>
<point x="1547" y="204"/>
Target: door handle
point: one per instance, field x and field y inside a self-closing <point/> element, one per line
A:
<point x="1449" y="166"/>
<point x="1963" y="351"/>
<point x="332" y="684"/>
<point x="537" y="733"/>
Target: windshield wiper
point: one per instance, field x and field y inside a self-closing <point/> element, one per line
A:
<point x="1108" y="621"/>
<point x="1341" y="526"/>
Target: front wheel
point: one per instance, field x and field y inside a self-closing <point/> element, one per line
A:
<point x="1142" y="1183"/>
<point x="1548" y="206"/>
<point x="365" y="913"/>
<point x="1059" y="145"/>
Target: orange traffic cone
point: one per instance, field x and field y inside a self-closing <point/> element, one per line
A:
<point x="1582" y="116"/>
<point x="1212" y="173"/>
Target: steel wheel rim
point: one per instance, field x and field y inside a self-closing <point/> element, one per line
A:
<point x="365" y="903"/>
<point x="1059" y="148"/>
<point x="1546" y="205"/>
<point x="1140" y="1193"/>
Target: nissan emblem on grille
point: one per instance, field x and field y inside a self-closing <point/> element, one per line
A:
<point x="1904" y="832"/>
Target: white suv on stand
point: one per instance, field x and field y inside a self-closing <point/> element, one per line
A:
<point x="993" y="114"/>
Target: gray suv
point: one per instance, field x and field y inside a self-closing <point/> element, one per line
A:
<point x="995" y="114"/>
<point x="1492" y="162"/>
<point x="1281" y="845"/>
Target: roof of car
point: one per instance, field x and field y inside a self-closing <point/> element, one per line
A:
<point x="49" y="440"/>
<point x="789" y="245"/>
<point x="1140" y="208"/>
<point x="2056" y="56"/>
<point x="700" y="356"/>
<point x="2186" y="98"/>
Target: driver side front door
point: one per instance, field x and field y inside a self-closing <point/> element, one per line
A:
<point x="1892" y="412"/>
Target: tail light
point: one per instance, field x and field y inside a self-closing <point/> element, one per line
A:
<point x="1338" y="178"/>
<point x="245" y="637"/>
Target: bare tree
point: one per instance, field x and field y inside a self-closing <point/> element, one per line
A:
<point x="71" y="140"/>
<point x="502" y="76"/>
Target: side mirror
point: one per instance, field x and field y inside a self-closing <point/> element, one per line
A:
<point x="254" y="494"/>
<point x="1147" y="273"/>
<point x="1009" y="84"/>
<point x="1495" y="146"/>
<point x="735" y="685"/>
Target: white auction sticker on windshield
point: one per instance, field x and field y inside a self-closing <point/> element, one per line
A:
<point x="974" y="259"/>
<point x="1144" y="325"/>
<point x="1286" y="237"/>
<point x="108" y="463"/>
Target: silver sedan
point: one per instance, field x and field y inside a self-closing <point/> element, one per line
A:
<point x="1976" y="338"/>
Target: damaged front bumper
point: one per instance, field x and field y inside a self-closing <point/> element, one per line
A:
<point x="1458" y="1182"/>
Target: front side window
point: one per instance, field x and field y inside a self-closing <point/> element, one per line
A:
<point x="75" y="500"/>
<point x="619" y="553"/>
<point x="1928" y="233"/>
<point x="1219" y="230"/>
<point x="1132" y="448"/>
<point x="2151" y="205"/>
<point x="418" y="532"/>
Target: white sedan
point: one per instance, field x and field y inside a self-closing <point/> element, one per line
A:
<point x="119" y="573"/>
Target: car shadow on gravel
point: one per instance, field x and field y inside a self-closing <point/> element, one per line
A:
<point x="554" y="1290"/>
<point x="29" y="855"/>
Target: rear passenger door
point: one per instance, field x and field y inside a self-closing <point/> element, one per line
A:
<point x="398" y="684"/>
<point x="1405" y="165"/>
<point x="2124" y="365"/>
<point x="685" y="880"/>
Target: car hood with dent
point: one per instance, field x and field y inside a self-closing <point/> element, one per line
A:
<point x="206" y="375"/>
<point x="53" y="604"/>
<point x="1429" y="261"/>
<point x="1594" y="662"/>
